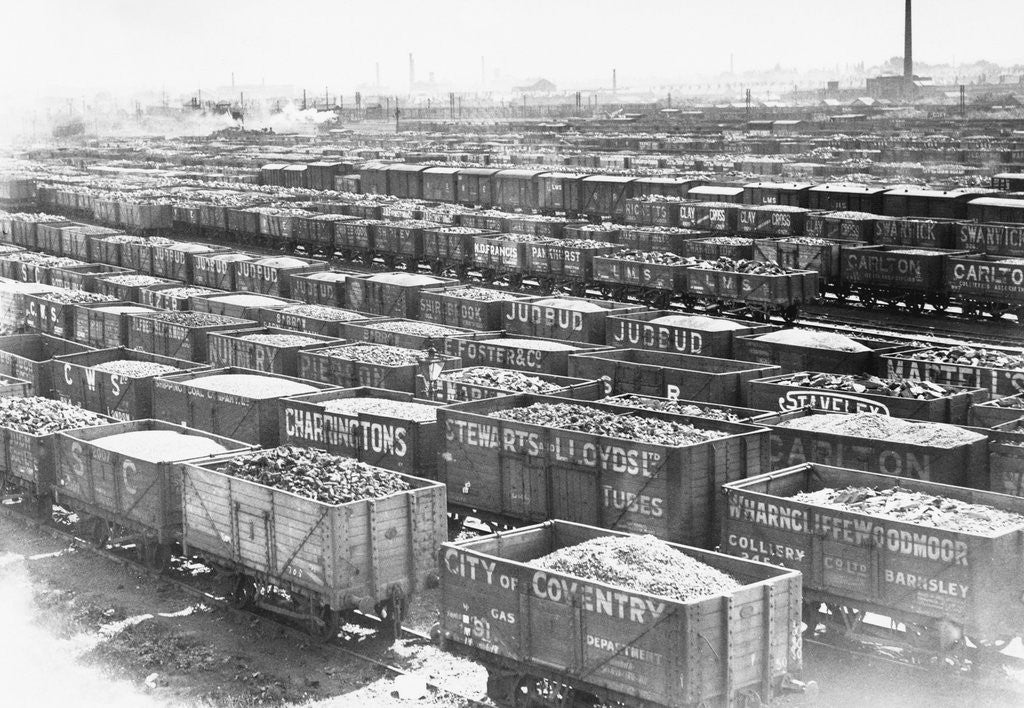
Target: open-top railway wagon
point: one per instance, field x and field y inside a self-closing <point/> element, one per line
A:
<point x="951" y="590"/>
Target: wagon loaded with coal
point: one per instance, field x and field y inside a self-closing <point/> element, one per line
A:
<point x="942" y="562"/>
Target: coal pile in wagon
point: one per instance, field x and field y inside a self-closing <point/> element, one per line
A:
<point x="191" y="318"/>
<point x="643" y="564"/>
<point x="184" y="293"/>
<point x="700" y="322"/>
<point x="742" y="265"/>
<point x="160" y="445"/>
<point x="380" y="354"/>
<point x="251" y="385"/>
<point x="36" y="415"/>
<point x="863" y="383"/>
<point x="671" y="405"/>
<point x="69" y="297"/>
<point x="479" y="294"/>
<point x="132" y="369"/>
<point x="567" y="304"/>
<point x="315" y="474"/>
<point x="813" y="339"/>
<point x="248" y="300"/>
<point x="279" y="340"/>
<point x="406" y="410"/>
<point x="875" y="426"/>
<point x="404" y="279"/>
<point x="422" y="329"/>
<point x="587" y="419"/>
<point x="321" y="312"/>
<point x="913" y="507"/>
<point x="967" y="355"/>
<point x="504" y="379"/>
<point x="541" y="345"/>
<point x="654" y="257"/>
<point x="133" y="280"/>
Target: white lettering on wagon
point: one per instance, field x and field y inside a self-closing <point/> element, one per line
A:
<point x="850" y="530"/>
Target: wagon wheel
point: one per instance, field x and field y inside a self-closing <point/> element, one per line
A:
<point x="455" y="525"/>
<point x="515" y="281"/>
<point x="245" y="592"/>
<point x="546" y="285"/>
<point x="578" y="288"/>
<point x="791" y="313"/>
<point x="327" y="625"/>
<point x="915" y="303"/>
<point x="391" y="612"/>
<point x="502" y="685"/>
<point x="988" y="657"/>
<point x="99" y="532"/>
<point x="940" y="301"/>
<point x="43" y="507"/>
<point x="487" y="275"/>
<point x="997" y="309"/>
<point x="970" y="308"/>
<point x="812" y="616"/>
<point x="605" y="290"/>
<point x="154" y="554"/>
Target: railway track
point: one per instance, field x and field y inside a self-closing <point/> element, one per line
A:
<point x="340" y="646"/>
<point x="937" y="328"/>
<point x="991" y="693"/>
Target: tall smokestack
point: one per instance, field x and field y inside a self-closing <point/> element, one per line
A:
<point x="614" y="81"/>
<point x="412" y="71"/>
<point x="908" y="47"/>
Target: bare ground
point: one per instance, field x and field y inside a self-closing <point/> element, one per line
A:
<point x="76" y="629"/>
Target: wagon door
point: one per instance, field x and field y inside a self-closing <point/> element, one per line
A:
<point x="575" y="495"/>
<point x="523" y="486"/>
<point x="252" y="537"/>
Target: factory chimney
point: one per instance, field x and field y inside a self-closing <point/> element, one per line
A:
<point x="412" y="72"/>
<point x="908" y="47"/>
<point x="614" y="81"/>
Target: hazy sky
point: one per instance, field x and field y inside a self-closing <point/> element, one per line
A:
<point x="119" y="44"/>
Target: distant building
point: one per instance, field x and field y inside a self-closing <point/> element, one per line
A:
<point x="538" y="86"/>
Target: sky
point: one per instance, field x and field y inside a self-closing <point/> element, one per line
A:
<point x="117" y="45"/>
